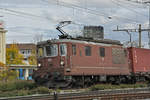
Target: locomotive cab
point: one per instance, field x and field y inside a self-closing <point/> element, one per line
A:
<point x="51" y="63"/>
<point x="49" y="53"/>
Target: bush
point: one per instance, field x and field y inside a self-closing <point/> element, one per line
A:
<point x="25" y="85"/>
<point x="18" y="85"/>
<point x="23" y="93"/>
<point x="121" y="86"/>
<point x="100" y="87"/>
<point x="21" y="88"/>
<point x="15" y="93"/>
<point x="40" y="90"/>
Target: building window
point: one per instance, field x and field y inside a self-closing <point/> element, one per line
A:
<point x="87" y="50"/>
<point x="73" y="49"/>
<point x="23" y="52"/>
<point x="102" y="52"/>
<point x="28" y="51"/>
<point x="63" y="49"/>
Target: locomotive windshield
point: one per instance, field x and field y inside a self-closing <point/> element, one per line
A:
<point x="40" y="52"/>
<point x="51" y="50"/>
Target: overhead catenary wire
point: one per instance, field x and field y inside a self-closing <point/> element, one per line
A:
<point x="68" y="5"/>
<point x="95" y="12"/>
<point x="21" y="13"/>
<point x="147" y="2"/>
<point x="138" y="1"/>
<point x="28" y="15"/>
<point x="131" y="4"/>
<point x="25" y="15"/>
<point x="91" y="11"/>
<point x="122" y="6"/>
<point x="18" y="15"/>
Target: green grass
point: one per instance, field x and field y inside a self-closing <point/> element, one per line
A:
<point x="17" y="85"/>
<point x="121" y="86"/>
<point x="21" y="88"/>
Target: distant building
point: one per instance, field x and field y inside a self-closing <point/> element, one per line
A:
<point x="25" y="71"/>
<point x="2" y="45"/>
<point x="96" y="32"/>
<point x="25" y="49"/>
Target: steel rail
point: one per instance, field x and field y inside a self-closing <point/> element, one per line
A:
<point x="128" y="94"/>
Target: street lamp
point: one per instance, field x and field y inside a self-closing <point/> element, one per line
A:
<point x="1" y="22"/>
<point x="109" y="17"/>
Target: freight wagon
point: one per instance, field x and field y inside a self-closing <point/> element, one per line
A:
<point x="139" y="61"/>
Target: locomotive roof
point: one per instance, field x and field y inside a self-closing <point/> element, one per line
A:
<point x="106" y="42"/>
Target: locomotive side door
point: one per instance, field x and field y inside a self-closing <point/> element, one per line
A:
<point x="63" y="54"/>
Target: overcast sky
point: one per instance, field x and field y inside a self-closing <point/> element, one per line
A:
<point x="26" y="18"/>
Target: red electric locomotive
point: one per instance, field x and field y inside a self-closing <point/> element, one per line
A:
<point x="78" y="62"/>
<point x="68" y="62"/>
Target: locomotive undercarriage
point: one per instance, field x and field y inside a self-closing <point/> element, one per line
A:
<point x="86" y="81"/>
<point x="60" y="81"/>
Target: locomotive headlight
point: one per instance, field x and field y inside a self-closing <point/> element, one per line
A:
<point x="62" y="63"/>
<point x="39" y="65"/>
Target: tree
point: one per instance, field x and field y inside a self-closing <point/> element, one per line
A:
<point x="13" y="56"/>
<point x="6" y="74"/>
<point x="32" y="58"/>
<point x="37" y="38"/>
<point x="2" y="65"/>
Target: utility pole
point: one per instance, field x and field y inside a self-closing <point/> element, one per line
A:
<point x="140" y="37"/>
<point x="147" y="2"/>
<point x="149" y="27"/>
<point x="139" y="30"/>
<point x="126" y="30"/>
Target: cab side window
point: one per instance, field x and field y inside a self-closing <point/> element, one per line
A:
<point x="102" y="52"/>
<point x="73" y="49"/>
<point x="87" y="50"/>
<point x="63" y="49"/>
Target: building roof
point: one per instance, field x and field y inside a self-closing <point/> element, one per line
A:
<point x="23" y="46"/>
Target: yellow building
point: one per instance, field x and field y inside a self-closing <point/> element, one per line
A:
<point x="2" y="45"/>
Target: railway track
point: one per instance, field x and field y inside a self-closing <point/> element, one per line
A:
<point x="122" y="94"/>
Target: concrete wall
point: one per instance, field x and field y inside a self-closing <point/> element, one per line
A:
<point x="93" y="32"/>
<point x="2" y="45"/>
